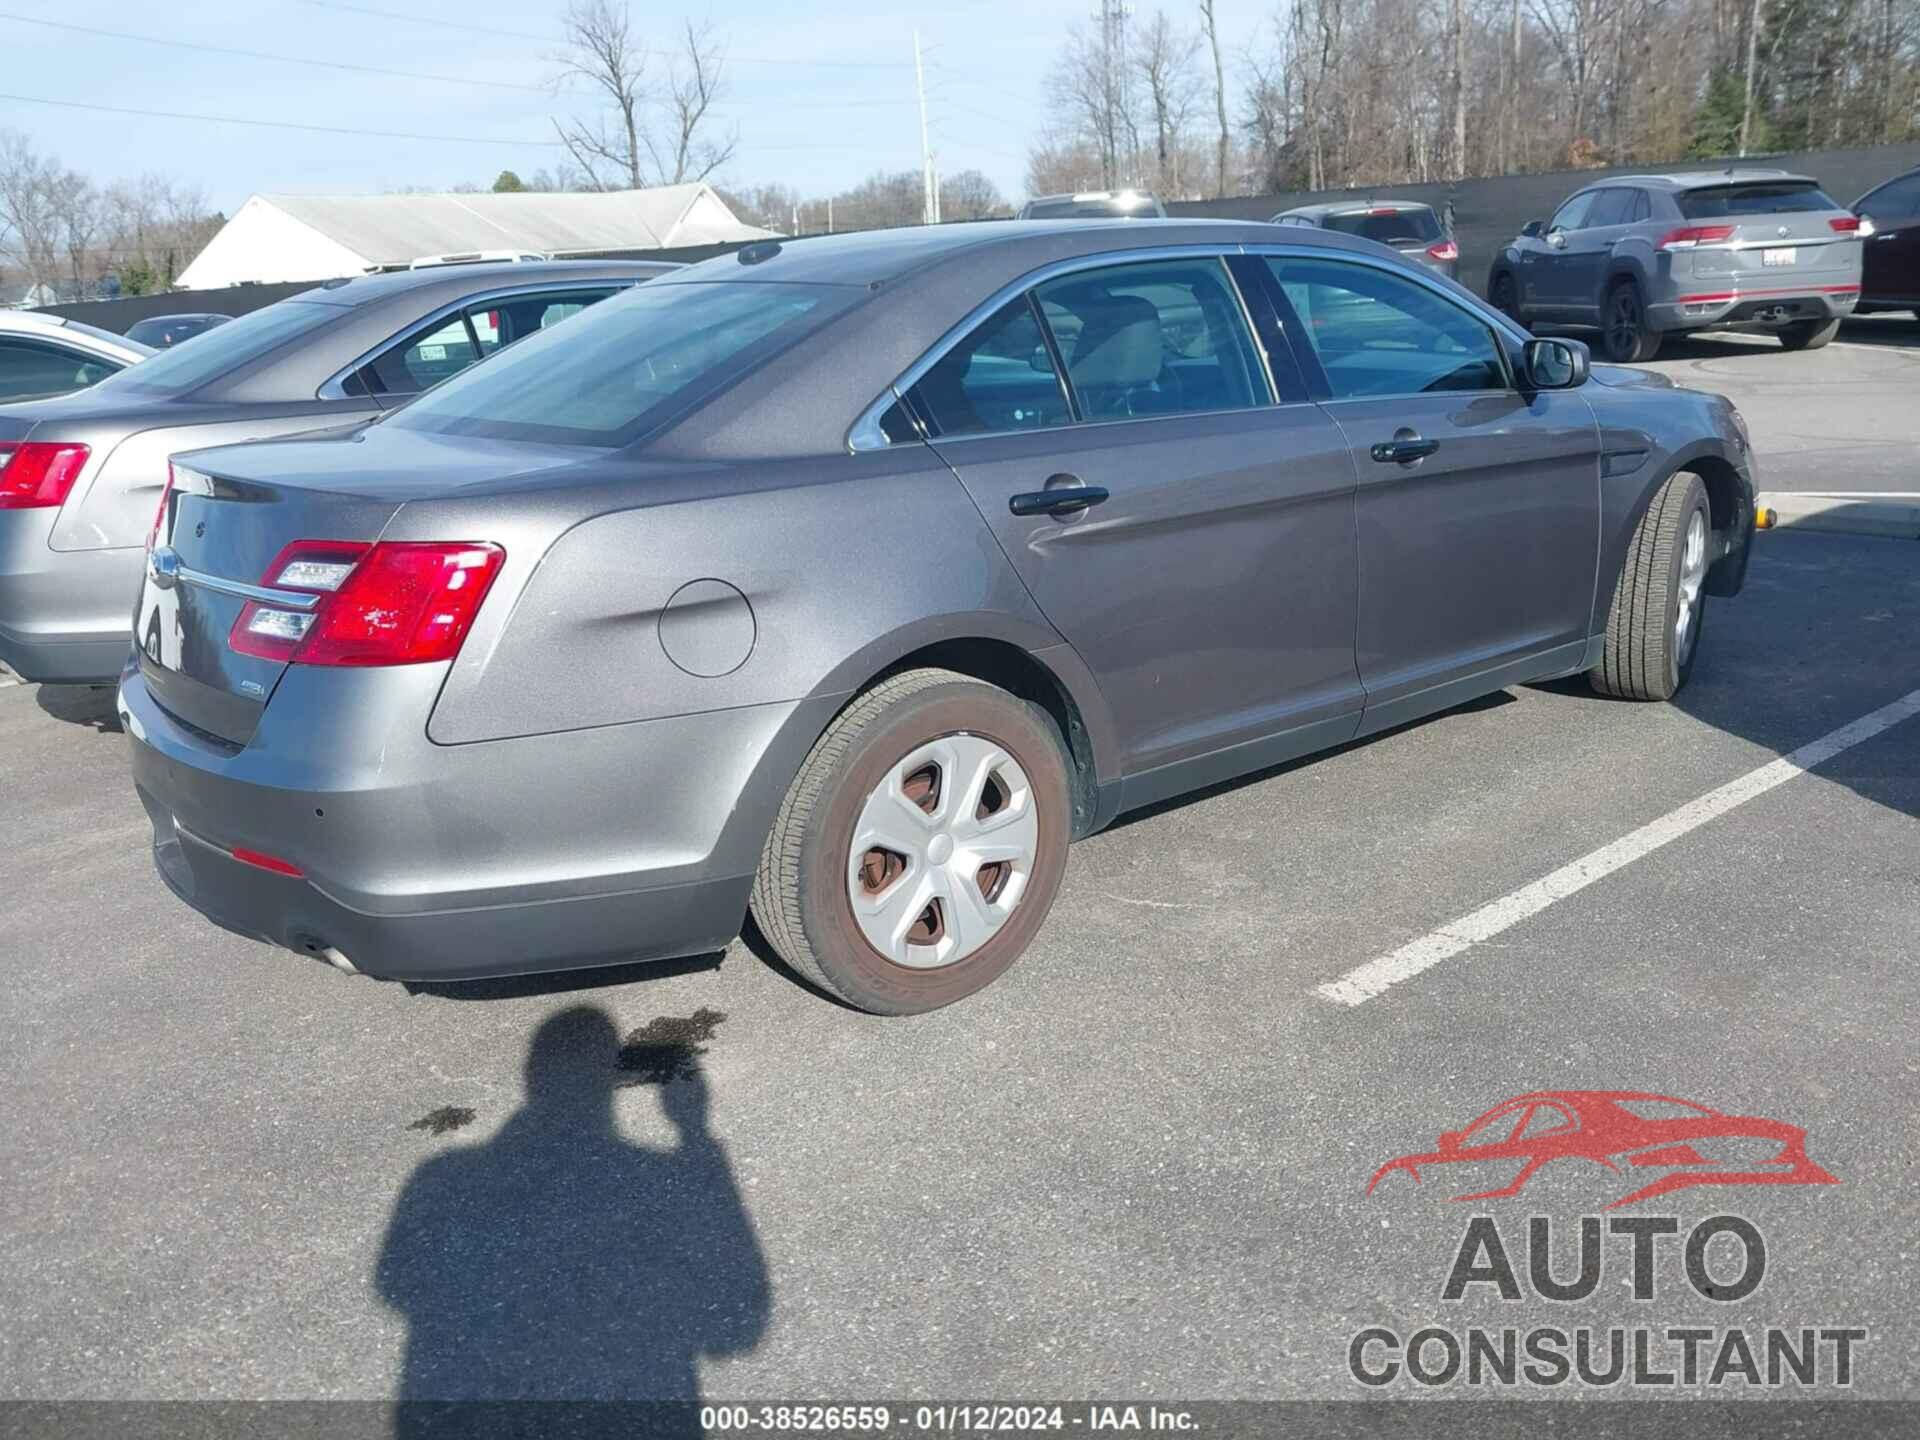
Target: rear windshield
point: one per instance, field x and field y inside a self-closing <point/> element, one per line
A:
<point x="226" y="348"/>
<point x="623" y="366"/>
<point x="1772" y="197"/>
<point x="1389" y="227"/>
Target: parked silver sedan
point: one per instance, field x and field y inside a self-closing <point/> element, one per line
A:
<point x="82" y="475"/>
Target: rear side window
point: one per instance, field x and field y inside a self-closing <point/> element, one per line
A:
<point x="1001" y="377"/>
<point x="1773" y="197"/>
<point x="607" y="376"/>
<point x="1388" y="225"/>
<point x="1377" y="333"/>
<point x="441" y="349"/>
<point x="30" y="367"/>
<point x="1610" y="207"/>
<point x="227" y="347"/>
<point x="1164" y="337"/>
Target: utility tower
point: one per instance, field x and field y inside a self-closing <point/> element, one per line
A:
<point x="1115" y="88"/>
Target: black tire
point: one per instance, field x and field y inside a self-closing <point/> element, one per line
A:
<point x="1808" y="334"/>
<point x="1625" y="336"/>
<point x="1504" y="296"/>
<point x="801" y="898"/>
<point x="1644" y="657"/>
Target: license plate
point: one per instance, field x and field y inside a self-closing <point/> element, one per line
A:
<point x="1779" y="255"/>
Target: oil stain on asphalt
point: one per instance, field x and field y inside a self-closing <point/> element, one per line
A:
<point x="668" y="1047"/>
<point x="447" y="1118"/>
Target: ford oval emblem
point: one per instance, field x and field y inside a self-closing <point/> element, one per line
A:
<point x="163" y="567"/>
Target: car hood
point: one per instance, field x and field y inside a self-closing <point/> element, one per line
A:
<point x="1626" y="377"/>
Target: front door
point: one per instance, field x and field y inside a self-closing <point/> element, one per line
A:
<point x="1477" y="516"/>
<point x="1210" y="584"/>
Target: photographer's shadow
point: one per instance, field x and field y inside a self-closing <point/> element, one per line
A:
<point x="559" y="1261"/>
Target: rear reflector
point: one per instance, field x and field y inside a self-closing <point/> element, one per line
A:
<point x="1443" y="250"/>
<point x="272" y="863"/>
<point x="38" y="475"/>
<point x="1689" y="236"/>
<point x="394" y="603"/>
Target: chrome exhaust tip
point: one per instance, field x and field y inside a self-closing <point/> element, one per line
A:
<point x="336" y="959"/>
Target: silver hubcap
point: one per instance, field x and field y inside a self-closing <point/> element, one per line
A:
<point x="942" y="851"/>
<point x="1693" y="571"/>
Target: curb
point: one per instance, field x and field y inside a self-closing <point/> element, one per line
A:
<point x="1897" y="516"/>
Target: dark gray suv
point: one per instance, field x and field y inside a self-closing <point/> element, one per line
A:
<point x="847" y="580"/>
<point x="1641" y="257"/>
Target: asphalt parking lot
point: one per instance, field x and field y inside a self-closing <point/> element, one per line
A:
<point x="1135" y="1167"/>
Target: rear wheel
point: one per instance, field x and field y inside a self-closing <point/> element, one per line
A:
<point x="1808" y="334"/>
<point x="921" y="845"/>
<point x="1626" y="338"/>
<point x="1659" y="604"/>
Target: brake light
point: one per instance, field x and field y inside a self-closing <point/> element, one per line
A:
<point x="1443" y="250"/>
<point x="1383" y="210"/>
<point x="1689" y="236"/>
<point x="38" y="475"/>
<point x="393" y="603"/>
<point x="1846" y="224"/>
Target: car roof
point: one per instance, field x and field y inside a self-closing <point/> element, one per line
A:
<point x="1703" y="179"/>
<point x="457" y="280"/>
<point x="1355" y="207"/>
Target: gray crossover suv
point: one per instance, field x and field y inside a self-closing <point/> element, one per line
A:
<point x="82" y="475"/>
<point x="1641" y="257"/>
<point x="848" y="579"/>
<point x="1408" y="226"/>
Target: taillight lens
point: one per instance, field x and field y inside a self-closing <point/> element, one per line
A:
<point x="38" y="475"/>
<point x="1443" y="250"/>
<point x="160" y="515"/>
<point x="394" y="603"/>
<point x="1689" y="236"/>
<point x="1846" y="224"/>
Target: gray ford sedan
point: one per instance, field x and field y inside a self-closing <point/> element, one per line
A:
<point x="845" y="581"/>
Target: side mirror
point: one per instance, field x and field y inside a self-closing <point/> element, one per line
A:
<point x="1531" y="230"/>
<point x="1556" y="364"/>
<point x="1449" y="1141"/>
<point x="1557" y="239"/>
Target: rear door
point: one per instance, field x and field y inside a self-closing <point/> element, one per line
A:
<point x="1210" y="586"/>
<point x="1892" y="252"/>
<point x="1477" y="517"/>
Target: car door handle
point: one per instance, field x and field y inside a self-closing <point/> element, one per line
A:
<point x="1061" y="500"/>
<point x="1404" y="451"/>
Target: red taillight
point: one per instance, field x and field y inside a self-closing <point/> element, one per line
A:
<point x="271" y="863"/>
<point x="1443" y="250"/>
<point x="394" y="603"/>
<point x="1689" y="236"/>
<point x="1383" y="210"/>
<point x="38" y="475"/>
<point x="160" y="515"/>
<point x="1846" y="224"/>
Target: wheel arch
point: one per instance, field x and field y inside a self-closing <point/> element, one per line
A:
<point x="1730" y="499"/>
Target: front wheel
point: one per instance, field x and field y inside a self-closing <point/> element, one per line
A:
<point x="1659" y="603"/>
<point x="1808" y="334"/>
<point x="921" y="845"/>
<point x="1625" y="337"/>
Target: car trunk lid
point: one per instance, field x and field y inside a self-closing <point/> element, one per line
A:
<point x="1771" y="235"/>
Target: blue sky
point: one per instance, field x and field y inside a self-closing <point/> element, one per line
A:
<point x="816" y="126"/>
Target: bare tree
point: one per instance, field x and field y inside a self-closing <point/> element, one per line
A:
<point x="1087" y="102"/>
<point x="970" y="195"/>
<point x="30" y="229"/>
<point x="640" y="137"/>
<point x="1212" y="28"/>
<point x="1164" y="59"/>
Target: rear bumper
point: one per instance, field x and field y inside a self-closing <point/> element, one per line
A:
<point x="1712" y="306"/>
<point x="65" y="615"/>
<point x="428" y="862"/>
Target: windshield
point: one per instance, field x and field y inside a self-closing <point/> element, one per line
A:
<point x="1772" y="198"/>
<point x="1388" y="226"/>
<point x="624" y="365"/>
<point x="226" y="348"/>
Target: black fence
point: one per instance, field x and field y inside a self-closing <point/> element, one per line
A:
<point x="1489" y="212"/>
<point x="122" y="314"/>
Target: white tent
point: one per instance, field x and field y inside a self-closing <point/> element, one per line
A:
<point x="323" y="237"/>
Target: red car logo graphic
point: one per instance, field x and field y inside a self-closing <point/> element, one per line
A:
<point x="1617" y="1128"/>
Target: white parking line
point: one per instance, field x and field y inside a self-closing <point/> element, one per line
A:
<point x="1377" y="976"/>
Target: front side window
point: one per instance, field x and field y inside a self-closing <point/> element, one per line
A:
<point x="1573" y="214"/>
<point x="1377" y="333"/>
<point x="1161" y="337"/>
<point x="1001" y="377"/>
<point x="626" y="365"/>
